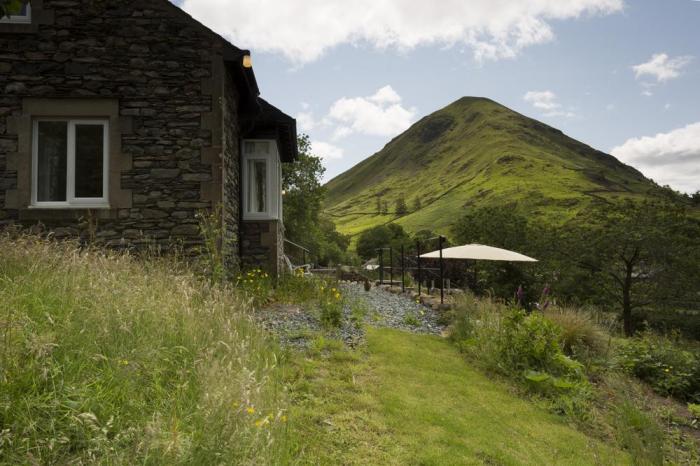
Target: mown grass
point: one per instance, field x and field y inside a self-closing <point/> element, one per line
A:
<point x="412" y="399"/>
<point x="110" y="359"/>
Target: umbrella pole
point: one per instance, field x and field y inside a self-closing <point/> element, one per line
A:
<point x="403" y="270"/>
<point x="419" y="270"/>
<point x="442" y="273"/>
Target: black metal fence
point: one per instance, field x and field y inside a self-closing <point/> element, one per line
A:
<point x="410" y="261"/>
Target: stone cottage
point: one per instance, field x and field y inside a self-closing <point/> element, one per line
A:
<point x="121" y="120"/>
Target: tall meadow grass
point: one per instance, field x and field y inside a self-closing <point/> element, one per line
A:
<point x="111" y="359"/>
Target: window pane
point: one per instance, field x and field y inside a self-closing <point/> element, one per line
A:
<point x="260" y="185"/>
<point x="89" y="160"/>
<point x="257" y="196"/>
<point x="51" y="161"/>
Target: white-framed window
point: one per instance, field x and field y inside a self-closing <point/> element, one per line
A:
<point x="262" y="180"/>
<point x="70" y="163"/>
<point x="23" y="15"/>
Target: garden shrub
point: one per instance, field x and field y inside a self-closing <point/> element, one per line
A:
<point x="670" y="366"/>
<point x="330" y="302"/>
<point x="256" y="285"/>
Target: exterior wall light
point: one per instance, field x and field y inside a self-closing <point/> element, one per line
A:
<point x="247" y="61"/>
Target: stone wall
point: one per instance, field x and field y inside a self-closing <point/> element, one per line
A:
<point x="232" y="169"/>
<point x="166" y="73"/>
<point x="262" y="243"/>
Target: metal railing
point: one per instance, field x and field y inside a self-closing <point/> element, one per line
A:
<point x="417" y="267"/>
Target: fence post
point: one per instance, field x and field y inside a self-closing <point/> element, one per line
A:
<point x="381" y="266"/>
<point x="403" y="281"/>
<point x="391" y="267"/>
<point x="419" y="271"/>
<point x="442" y="273"/>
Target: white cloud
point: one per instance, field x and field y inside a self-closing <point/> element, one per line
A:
<point x="386" y="95"/>
<point x="544" y="100"/>
<point x="305" y="121"/>
<point x="547" y="101"/>
<point x="671" y="158"/>
<point x="303" y="30"/>
<point x="662" y="67"/>
<point x="326" y="151"/>
<point x="380" y="114"/>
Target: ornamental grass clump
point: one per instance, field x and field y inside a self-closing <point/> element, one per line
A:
<point x="110" y="359"/>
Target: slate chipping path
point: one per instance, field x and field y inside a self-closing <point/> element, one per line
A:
<point x="292" y="324"/>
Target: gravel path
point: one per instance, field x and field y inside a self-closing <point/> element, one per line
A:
<point x="394" y="310"/>
<point x="295" y="325"/>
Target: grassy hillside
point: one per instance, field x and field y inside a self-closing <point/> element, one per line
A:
<point x="476" y="152"/>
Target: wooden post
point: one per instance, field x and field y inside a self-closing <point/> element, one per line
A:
<point x="391" y="267"/>
<point x="381" y="266"/>
<point x="403" y="271"/>
<point x="419" y="270"/>
<point x="442" y="273"/>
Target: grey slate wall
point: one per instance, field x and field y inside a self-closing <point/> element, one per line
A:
<point x="166" y="75"/>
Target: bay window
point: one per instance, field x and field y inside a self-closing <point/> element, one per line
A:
<point x="70" y="163"/>
<point x="262" y="180"/>
<point x="18" y="13"/>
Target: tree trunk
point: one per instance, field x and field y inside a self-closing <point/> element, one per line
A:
<point x="627" y="302"/>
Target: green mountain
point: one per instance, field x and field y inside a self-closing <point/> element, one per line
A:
<point x="472" y="153"/>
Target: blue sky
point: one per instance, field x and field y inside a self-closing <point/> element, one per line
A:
<point x="620" y="75"/>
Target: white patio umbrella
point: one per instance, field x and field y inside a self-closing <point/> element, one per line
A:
<point x="478" y="252"/>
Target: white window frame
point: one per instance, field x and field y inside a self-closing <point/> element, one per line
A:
<point x="71" y="201"/>
<point x="19" y="19"/>
<point x="273" y="182"/>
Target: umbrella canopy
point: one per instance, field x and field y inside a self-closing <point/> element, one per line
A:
<point x="479" y="252"/>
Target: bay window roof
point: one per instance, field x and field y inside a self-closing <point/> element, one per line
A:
<point x="273" y="123"/>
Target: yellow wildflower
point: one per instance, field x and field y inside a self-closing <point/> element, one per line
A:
<point x="261" y="422"/>
<point x="124" y="362"/>
<point x="250" y="410"/>
<point x="283" y="418"/>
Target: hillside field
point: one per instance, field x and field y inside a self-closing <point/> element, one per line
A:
<point x="474" y="153"/>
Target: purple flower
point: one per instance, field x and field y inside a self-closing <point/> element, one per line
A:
<point x="520" y="294"/>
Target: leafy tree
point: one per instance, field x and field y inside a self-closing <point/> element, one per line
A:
<point x="401" y="207"/>
<point x="640" y="255"/>
<point x="417" y="204"/>
<point x="304" y="192"/>
<point x="499" y="227"/>
<point x="385" y="208"/>
<point x="695" y="198"/>
<point x="502" y="228"/>
<point x="382" y="236"/>
<point x="303" y="197"/>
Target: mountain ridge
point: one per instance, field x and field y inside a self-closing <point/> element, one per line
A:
<point x="476" y="152"/>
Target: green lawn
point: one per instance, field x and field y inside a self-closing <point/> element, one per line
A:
<point x="412" y="399"/>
